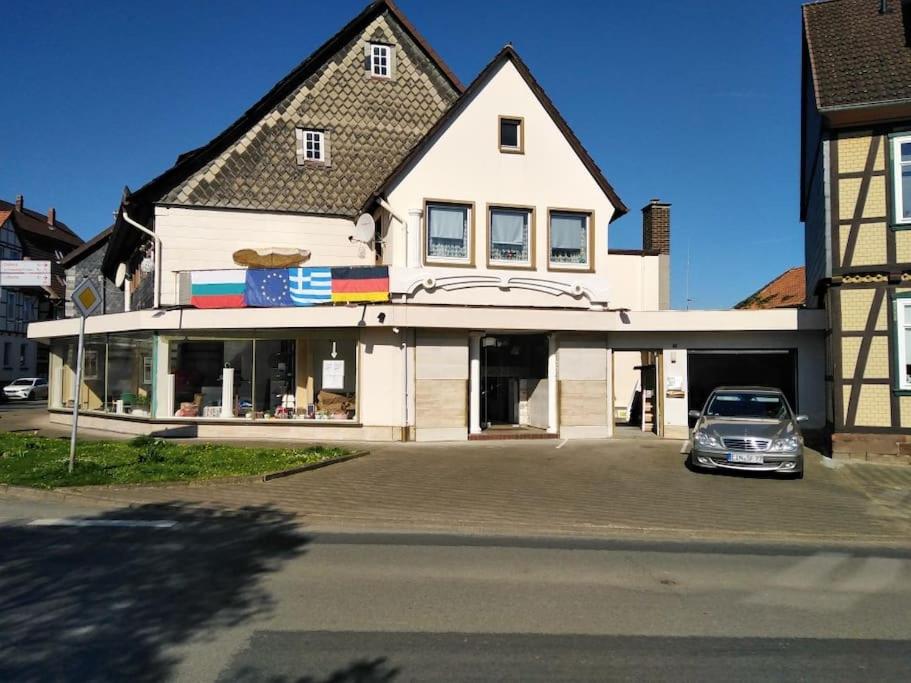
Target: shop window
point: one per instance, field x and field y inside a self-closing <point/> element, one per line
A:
<point x="202" y="367"/>
<point x="127" y="391"/>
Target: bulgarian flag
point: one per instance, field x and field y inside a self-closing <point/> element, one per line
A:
<point x="217" y="288"/>
<point x="360" y="284"/>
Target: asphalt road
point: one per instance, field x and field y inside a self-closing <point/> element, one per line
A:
<point x="171" y="592"/>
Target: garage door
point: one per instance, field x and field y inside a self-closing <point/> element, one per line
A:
<point x="710" y="369"/>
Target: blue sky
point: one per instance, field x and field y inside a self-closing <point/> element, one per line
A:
<point x="694" y="102"/>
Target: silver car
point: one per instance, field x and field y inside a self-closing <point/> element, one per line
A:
<point x="749" y="429"/>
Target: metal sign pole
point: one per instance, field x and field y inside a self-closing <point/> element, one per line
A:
<point x="76" y="386"/>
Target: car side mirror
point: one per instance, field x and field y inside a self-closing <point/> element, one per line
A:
<point x="695" y="414"/>
<point x="802" y="418"/>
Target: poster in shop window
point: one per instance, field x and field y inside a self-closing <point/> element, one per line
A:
<point x="333" y="374"/>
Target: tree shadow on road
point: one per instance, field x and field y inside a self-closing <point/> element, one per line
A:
<point x="105" y="603"/>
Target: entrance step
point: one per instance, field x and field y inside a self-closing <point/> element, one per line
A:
<point x="504" y="435"/>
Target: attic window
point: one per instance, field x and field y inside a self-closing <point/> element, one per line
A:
<point x="512" y="135"/>
<point x="381" y="60"/>
<point x="312" y="146"/>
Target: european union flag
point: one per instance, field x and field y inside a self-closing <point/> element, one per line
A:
<point x="267" y="288"/>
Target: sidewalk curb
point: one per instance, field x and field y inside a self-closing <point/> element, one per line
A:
<point x="312" y="466"/>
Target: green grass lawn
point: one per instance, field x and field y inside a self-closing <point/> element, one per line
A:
<point x="42" y="463"/>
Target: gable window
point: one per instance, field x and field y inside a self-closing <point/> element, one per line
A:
<point x="448" y="232"/>
<point x="903" y="327"/>
<point x="512" y="135"/>
<point x="901" y="177"/>
<point x="381" y="60"/>
<point x="570" y="239"/>
<point x="312" y="146"/>
<point x="510" y="236"/>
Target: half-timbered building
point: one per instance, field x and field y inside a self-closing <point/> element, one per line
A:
<point x="856" y="206"/>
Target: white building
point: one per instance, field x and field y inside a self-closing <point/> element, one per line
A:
<point x="486" y="304"/>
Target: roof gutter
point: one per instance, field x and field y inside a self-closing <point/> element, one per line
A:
<point x="864" y="105"/>
<point x="156" y="256"/>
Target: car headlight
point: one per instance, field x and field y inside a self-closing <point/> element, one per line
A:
<point x="787" y="444"/>
<point x="706" y="440"/>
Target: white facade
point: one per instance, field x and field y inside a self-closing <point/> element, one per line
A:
<point x="206" y="239"/>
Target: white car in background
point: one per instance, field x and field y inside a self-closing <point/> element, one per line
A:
<point x="26" y="388"/>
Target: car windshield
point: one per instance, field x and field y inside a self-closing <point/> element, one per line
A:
<point x="20" y="382"/>
<point x="747" y="404"/>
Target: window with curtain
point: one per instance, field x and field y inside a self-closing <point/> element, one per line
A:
<point x="447" y="232"/>
<point x="569" y="239"/>
<point x="509" y="236"/>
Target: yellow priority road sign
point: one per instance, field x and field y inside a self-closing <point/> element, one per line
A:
<point x="86" y="298"/>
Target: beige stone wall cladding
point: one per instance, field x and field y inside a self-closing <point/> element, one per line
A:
<point x="582" y="357"/>
<point x="441" y="384"/>
<point x="441" y="403"/>
<point x="855" y="308"/>
<point x="873" y="407"/>
<point x="583" y="403"/>
<point x="877" y="361"/>
<point x="583" y="368"/>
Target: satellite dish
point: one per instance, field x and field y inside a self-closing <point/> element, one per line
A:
<point x="364" y="228"/>
<point x="121" y="275"/>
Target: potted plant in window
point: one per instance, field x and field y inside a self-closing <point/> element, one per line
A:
<point x="141" y="406"/>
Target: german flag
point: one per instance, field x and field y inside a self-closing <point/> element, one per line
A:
<point x="359" y="284"/>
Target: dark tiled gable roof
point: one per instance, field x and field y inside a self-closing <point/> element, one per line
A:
<point x="371" y="124"/>
<point x="36" y="224"/>
<point x="857" y="55"/>
<point x="506" y="54"/>
<point x="788" y="290"/>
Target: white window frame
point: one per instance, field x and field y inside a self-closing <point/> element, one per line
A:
<point x="469" y="237"/>
<point x="380" y="53"/>
<point x="314" y="140"/>
<point x="903" y="383"/>
<point x="529" y="236"/>
<point x="560" y="265"/>
<point x="897" y="166"/>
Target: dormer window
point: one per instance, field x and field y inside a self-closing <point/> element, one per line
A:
<point x="381" y="60"/>
<point x="312" y="146"/>
<point x="512" y="135"/>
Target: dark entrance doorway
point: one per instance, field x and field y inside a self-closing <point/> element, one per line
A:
<point x="709" y="369"/>
<point x="512" y="369"/>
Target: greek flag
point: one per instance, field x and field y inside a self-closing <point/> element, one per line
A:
<point x="310" y="286"/>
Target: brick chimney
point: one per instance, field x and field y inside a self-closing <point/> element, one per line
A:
<point x="20" y="202"/>
<point x="656" y="226"/>
<point x="52" y="217"/>
<point x="656" y="237"/>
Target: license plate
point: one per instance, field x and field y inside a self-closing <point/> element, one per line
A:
<point x="747" y="458"/>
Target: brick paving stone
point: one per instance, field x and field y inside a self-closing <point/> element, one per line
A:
<point x="584" y="488"/>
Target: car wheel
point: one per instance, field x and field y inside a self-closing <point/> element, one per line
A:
<point x="31" y="396"/>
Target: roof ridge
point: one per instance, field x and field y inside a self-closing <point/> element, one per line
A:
<point x="507" y="52"/>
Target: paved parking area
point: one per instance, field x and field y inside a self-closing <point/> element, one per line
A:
<point x="591" y="488"/>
